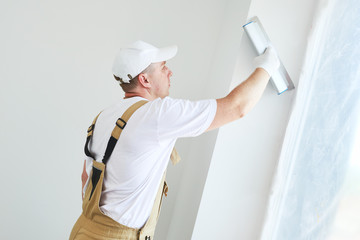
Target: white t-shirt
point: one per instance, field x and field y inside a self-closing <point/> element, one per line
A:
<point x="141" y="155"/>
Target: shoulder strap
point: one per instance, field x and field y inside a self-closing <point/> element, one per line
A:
<point x="90" y="133"/>
<point x="120" y="125"/>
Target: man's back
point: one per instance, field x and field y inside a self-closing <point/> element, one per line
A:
<point x="134" y="170"/>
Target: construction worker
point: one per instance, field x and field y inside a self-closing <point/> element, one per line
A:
<point x="130" y="143"/>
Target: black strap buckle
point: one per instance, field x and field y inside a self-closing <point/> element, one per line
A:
<point x="91" y="128"/>
<point x="120" y="123"/>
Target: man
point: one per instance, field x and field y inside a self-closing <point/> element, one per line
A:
<point x="123" y="202"/>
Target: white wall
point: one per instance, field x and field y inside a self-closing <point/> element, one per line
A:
<point x="217" y="80"/>
<point x="237" y="188"/>
<point x="55" y="73"/>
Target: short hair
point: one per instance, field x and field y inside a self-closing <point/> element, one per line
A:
<point x="128" y="87"/>
<point x="134" y="82"/>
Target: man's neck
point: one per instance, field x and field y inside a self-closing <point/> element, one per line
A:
<point x="135" y="94"/>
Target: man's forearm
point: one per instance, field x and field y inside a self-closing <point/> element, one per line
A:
<point x="241" y="99"/>
<point x="244" y="97"/>
<point x="248" y="93"/>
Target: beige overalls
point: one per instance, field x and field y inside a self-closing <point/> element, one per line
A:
<point x="93" y="224"/>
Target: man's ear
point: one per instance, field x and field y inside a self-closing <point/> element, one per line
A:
<point x="144" y="81"/>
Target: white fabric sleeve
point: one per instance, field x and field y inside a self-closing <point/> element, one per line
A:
<point x="183" y="118"/>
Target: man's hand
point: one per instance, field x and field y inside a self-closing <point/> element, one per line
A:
<point x="84" y="178"/>
<point x="268" y="61"/>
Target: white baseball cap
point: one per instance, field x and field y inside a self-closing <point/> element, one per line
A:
<point x="135" y="58"/>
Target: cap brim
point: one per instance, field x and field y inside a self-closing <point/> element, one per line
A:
<point x="164" y="54"/>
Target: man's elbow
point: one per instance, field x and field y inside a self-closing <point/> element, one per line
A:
<point x="242" y="114"/>
<point x="242" y="110"/>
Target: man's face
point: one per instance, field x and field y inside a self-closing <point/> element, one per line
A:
<point x="160" y="79"/>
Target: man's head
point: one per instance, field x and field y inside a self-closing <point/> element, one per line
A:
<point x="141" y="66"/>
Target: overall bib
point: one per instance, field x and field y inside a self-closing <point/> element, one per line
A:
<point x="93" y="224"/>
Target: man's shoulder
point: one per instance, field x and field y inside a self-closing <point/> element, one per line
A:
<point x="186" y="106"/>
<point x="166" y="103"/>
<point x="170" y="100"/>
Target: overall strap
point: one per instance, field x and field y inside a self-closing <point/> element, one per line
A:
<point x="120" y="125"/>
<point x="148" y="230"/>
<point x="175" y="157"/>
<point x="90" y="133"/>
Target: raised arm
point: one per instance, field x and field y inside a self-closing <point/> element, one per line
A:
<point x="244" y="97"/>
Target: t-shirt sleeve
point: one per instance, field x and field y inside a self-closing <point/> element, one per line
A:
<point x="183" y="118"/>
